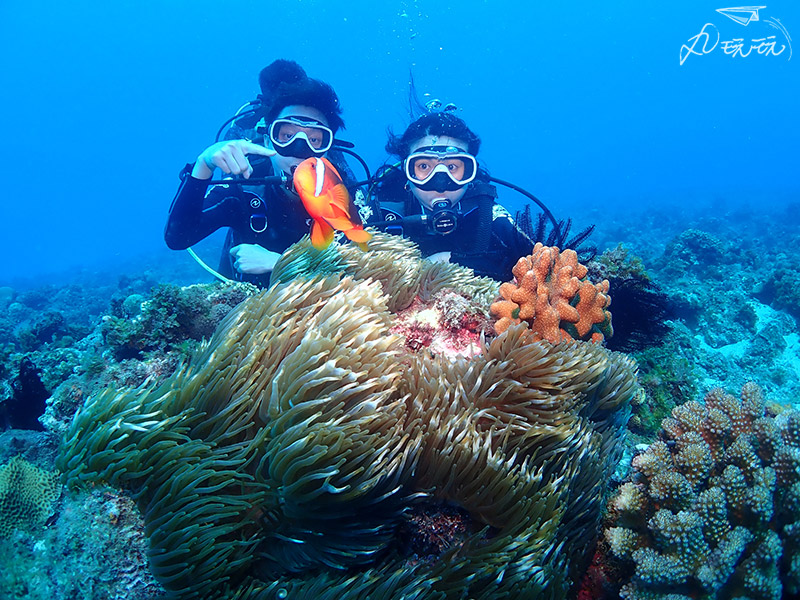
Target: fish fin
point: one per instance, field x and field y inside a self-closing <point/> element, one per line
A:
<point x="340" y="197"/>
<point x="358" y="235"/>
<point x="336" y="212"/>
<point x="321" y="235"/>
<point x="339" y="223"/>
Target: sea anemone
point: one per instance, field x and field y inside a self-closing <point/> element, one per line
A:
<point x="289" y="456"/>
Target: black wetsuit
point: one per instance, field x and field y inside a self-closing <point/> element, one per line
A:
<point x="268" y="215"/>
<point x="485" y="238"/>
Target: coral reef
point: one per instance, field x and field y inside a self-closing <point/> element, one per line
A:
<point x="668" y="379"/>
<point x="448" y="324"/>
<point x="145" y="337"/>
<point x="50" y="335"/>
<point x="305" y="444"/>
<point x="642" y="309"/>
<point x="781" y="288"/>
<point x="94" y="549"/>
<point x="49" y="316"/>
<point x="695" y="251"/>
<point x="713" y="510"/>
<point x="730" y="274"/>
<point x="551" y="293"/>
<point x="171" y="316"/>
<point x="27" y="494"/>
<point x="728" y="270"/>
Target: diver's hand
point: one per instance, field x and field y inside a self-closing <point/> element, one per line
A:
<point x="230" y="156"/>
<point x="440" y="257"/>
<point x="253" y="259"/>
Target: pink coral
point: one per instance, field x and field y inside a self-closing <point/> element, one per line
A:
<point x="448" y="324"/>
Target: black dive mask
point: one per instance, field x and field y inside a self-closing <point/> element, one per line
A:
<point x="297" y="148"/>
<point x="440" y="182"/>
<point x="297" y="137"/>
<point x="440" y="168"/>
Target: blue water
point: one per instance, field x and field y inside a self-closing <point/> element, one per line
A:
<point x="585" y="104"/>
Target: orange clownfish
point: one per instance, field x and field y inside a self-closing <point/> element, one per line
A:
<point x="326" y="199"/>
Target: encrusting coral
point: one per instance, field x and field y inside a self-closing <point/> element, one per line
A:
<point x="448" y="324"/>
<point x="551" y="293"/>
<point x="289" y="457"/>
<point x="713" y="510"/>
<point x="27" y="495"/>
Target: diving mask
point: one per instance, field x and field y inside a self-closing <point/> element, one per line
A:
<point x="440" y="168"/>
<point x="300" y="137"/>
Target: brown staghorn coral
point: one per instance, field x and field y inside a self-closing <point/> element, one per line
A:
<point x="714" y="510"/>
<point x="551" y="293"/>
<point x="286" y="457"/>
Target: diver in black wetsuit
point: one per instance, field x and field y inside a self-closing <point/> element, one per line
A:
<point x="299" y="117"/>
<point x="440" y="198"/>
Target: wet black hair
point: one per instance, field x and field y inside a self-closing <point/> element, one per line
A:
<point x="433" y="123"/>
<point x="285" y="83"/>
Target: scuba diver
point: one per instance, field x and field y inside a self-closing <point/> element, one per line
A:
<point x="294" y="118"/>
<point x="439" y="197"/>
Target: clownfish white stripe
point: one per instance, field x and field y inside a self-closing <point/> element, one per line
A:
<point x="320" y="177"/>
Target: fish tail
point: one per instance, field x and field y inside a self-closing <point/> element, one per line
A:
<point x="358" y="235"/>
<point x="321" y="235"/>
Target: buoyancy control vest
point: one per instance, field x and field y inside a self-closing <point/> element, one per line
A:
<point x="472" y="222"/>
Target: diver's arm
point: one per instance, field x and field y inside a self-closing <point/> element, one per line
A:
<point x="510" y="242"/>
<point x="253" y="259"/>
<point x="230" y="156"/>
<point x="188" y="222"/>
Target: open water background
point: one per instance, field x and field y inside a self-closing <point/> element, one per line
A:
<point x="585" y="104"/>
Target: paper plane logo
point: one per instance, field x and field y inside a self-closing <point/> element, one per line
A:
<point x="769" y="38"/>
<point x="741" y="14"/>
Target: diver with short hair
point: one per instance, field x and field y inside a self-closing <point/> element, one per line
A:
<point x="439" y="197"/>
<point x="298" y="118"/>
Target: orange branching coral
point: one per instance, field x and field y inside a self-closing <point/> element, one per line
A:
<point x="550" y="291"/>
